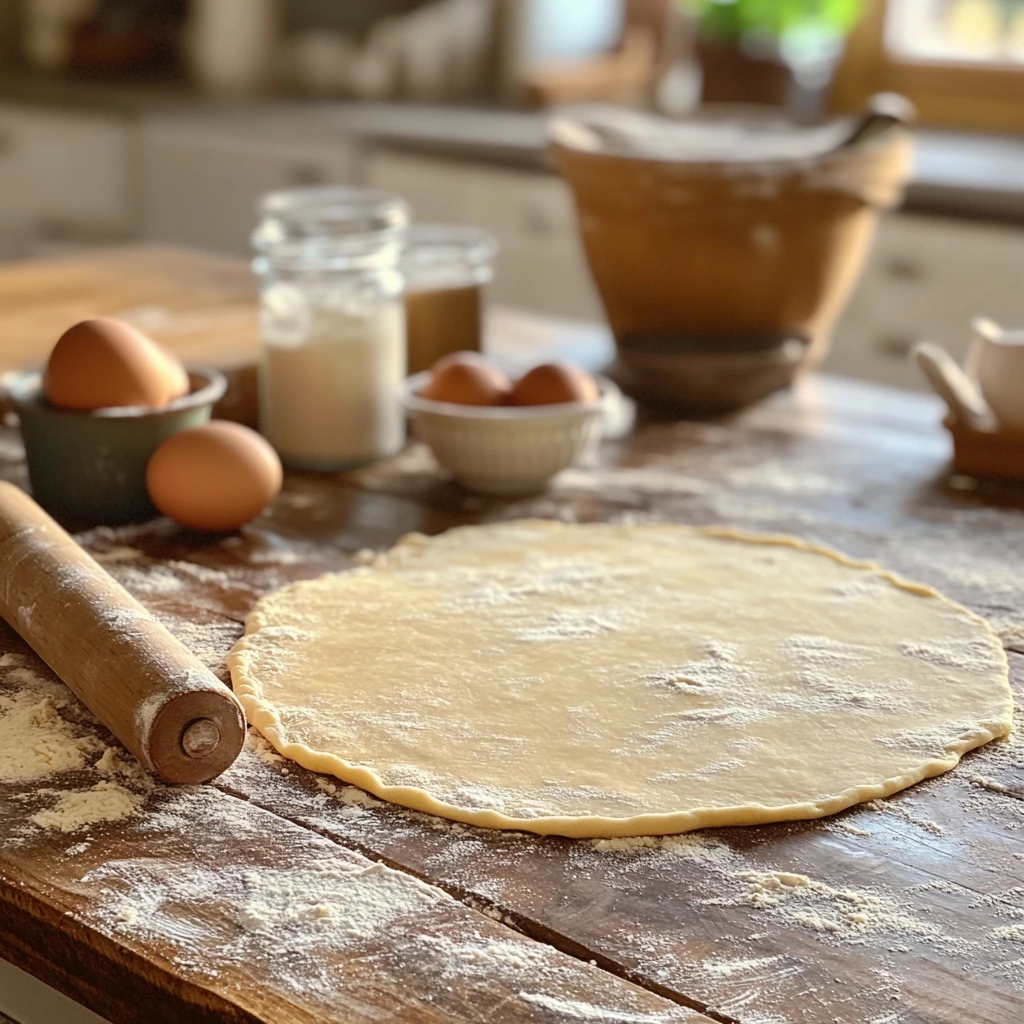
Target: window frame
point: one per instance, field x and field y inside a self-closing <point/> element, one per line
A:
<point x="946" y="93"/>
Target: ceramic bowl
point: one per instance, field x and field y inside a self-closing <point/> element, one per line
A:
<point x="707" y="375"/>
<point x="90" y="467"/>
<point x="506" y="449"/>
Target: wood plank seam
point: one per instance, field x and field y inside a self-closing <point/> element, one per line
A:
<point x="511" y="918"/>
<point x="549" y="936"/>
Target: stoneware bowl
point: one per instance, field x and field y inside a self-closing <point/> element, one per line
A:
<point x="90" y="467"/>
<point x="726" y="225"/>
<point x="506" y="449"/>
<point x="707" y="375"/>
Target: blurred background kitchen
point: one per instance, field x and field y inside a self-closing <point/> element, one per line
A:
<point x="166" y="120"/>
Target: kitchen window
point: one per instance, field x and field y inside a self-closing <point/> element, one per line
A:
<point x="960" y="61"/>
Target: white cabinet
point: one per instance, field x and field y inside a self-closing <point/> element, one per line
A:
<point x="201" y="182"/>
<point x="65" y="175"/>
<point x="541" y="266"/>
<point x="927" y="278"/>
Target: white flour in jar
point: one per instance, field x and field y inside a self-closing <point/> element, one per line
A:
<point x="332" y="401"/>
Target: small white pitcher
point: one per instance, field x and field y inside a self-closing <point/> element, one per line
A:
<point x="995" y="361"/>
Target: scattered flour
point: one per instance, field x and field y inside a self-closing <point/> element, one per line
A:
<point x="529" y="967"/>
<point x="573" y="1009"/>
<point x="842" y="825"/>
<point x="984" y="782"/>
<point x="106" y="801"/>
<point x="120" y="553"/>
<point x="35" y="741"/>
<point x="497" y="953"/>
<point x="351" y="901"/>
<point x="329" y="904"/>
<point x="415" y="460"/>
<point x="116" y="762"/>
<point x="294" y="923"/>
<point x="262" y="748"/>
<point x="355" y="800"/>
<point x="151" y="580"/>
<point x="627" y="481"/>
<point x="849" y="914"/>
<point x="202" y="573"/>
<point x="695" y="847"/>
<point x="273" y="555"/>
<point x="782" y="479"/>
<point x="728" y="968"/>
<point x="896" y="808"/>
<point x="767" y="888"/>
<point x="570" y="624"/>
<point x="720" y="668"/>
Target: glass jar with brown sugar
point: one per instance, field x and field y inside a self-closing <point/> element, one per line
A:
<point x="446" y="267"/>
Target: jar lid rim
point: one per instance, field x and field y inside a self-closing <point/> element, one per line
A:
<point x="328" y="198"/>
<point x="425" y="242"/>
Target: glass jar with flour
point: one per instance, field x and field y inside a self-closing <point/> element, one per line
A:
<point x="333" y="325"/>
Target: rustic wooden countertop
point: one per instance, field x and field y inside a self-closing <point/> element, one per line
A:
<point x="260" y="898"/>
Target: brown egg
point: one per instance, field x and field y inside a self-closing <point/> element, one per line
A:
<point x="99" y="364"/>
<point x="554" y="384"/>
<point x="177" y="376"/>
<point x="215" y="477"/>
<point x="466" y="378"/>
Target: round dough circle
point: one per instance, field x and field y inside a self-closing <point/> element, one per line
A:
<point x="617" y="680"/>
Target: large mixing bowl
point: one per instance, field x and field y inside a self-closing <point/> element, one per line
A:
<point x="723" y="227"/>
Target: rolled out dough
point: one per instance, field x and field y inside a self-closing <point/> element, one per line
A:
<point x="604" y="680"/>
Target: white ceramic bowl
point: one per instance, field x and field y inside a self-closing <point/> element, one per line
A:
<point x="505" y="449"/>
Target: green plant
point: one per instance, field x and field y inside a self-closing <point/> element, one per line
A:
<point x="737" y="20"/>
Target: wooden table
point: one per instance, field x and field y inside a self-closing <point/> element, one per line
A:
<point x="195" y="906"/>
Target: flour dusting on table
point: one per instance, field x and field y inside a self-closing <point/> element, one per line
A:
<point x="106" y="801"/>
<point x="35" y="741"/>
<point x="575" y="1009"/>
<point x="297" y="913"/>
<point x="143" y="898"/>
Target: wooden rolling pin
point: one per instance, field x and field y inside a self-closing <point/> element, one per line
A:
<point x="156" y="697"/>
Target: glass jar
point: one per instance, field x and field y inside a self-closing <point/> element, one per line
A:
<point x="333" y="325"/>
<point x="446" y="267"/>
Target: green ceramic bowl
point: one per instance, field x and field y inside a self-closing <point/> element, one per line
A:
<point x="90" y="467"/>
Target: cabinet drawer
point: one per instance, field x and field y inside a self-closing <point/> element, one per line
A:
<point x="546" y="276"/>
<point x="927" y="278"/>
<point x="524" y="205"/>
<point x="437" y="190"/>
<point x="203" y="188"/>
<point x="64" y="174"/>
<point x="541" y="265"/>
